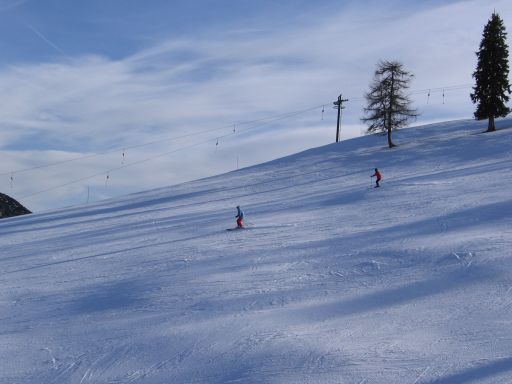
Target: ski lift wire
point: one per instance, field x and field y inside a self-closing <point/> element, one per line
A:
<point x="249" y="122"/>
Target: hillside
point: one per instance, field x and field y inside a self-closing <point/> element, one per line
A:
<point x="333" y="282"/>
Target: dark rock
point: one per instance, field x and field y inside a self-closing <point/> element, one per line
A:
<point x="10" y="207"/>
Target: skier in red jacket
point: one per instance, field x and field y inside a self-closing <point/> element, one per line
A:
<point x="378" y="176"/>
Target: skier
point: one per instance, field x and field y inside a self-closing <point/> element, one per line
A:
<point x="378" y="176"/>
<point x="239" y="217"/>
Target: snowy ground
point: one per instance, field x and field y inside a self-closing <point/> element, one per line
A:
<point x="334" y="281"/>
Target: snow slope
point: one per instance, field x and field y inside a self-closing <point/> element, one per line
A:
<point x="334" y="281"/>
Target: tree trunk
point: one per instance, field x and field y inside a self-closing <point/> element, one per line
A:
<point x="390" y="142"/>
<point x="390" y="110"/>
<point x="491" y="127"/>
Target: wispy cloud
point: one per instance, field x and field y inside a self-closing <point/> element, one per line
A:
<point x="6" y="5"/>
<point x="46" y="40"/>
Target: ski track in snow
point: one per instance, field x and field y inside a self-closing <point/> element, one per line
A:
<point x="333" y="281"/>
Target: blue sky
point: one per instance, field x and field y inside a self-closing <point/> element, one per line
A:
<point x="117" y="28"/>
<point x="85" y="78"/>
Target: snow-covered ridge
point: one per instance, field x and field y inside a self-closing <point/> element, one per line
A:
<point x="333" y="282"/>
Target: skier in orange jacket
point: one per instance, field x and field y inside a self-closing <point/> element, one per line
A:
<point x="378" y="176"/>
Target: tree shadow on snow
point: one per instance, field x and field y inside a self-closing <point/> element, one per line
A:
<point x="463" y="219"/>
<point x="476" y="374"/>
<point x="123" y="295"/>
<point x="393" y="297"/>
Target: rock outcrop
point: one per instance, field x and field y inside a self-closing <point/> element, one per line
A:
<point x="10" y="207"/>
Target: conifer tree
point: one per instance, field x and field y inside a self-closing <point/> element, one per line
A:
<point x="388" y="107"/>
<point x="492" y="87"/>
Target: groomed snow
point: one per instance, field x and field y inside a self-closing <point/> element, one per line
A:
<point x="333" y="282"/>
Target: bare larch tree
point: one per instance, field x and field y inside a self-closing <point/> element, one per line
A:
<point x="388" y="106"/>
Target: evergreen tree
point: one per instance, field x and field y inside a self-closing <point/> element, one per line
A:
<point x="388" y="107"/>
<point x="491" y="75"/>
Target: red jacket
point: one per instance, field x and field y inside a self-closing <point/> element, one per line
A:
<point x="378" y="175"/>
